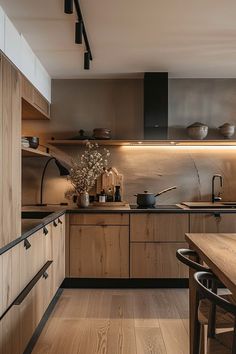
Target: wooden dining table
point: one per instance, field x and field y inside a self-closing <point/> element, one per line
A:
<point x="218" y="251"/>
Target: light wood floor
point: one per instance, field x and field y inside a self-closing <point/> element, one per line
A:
<point x="117" y="321"/>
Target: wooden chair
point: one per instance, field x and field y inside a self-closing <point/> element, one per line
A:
<point x="223" y="318"/>
<point x="218" y="343"/>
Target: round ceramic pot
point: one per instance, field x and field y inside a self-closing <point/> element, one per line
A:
<point x="197" y="131"/>
<point x="227" y="130"/>
<point x="83" y="200"/>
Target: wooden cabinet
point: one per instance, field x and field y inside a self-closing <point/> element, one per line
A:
<point x="158" y="227"/>
<point x="154" y="241"/>
<point x="212" y="222"/>
<point x="99" y="219"/>
<point x="156" y="260"/>
<point x="10" y="152"/>
<point x="32" y="252"/>
<point x="34" y="105"/>
<point x="99" y="251"/>
<point x="10" y="277"/>
<point x="99" y="245"/>
<point x="58" y="251"/>
<point x="33" y="306"/>
<point x="10" y="332"/>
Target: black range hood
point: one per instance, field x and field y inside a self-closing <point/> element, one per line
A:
<point x="156" y="106"/>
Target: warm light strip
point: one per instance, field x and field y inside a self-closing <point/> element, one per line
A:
<point x="181" y="147"/>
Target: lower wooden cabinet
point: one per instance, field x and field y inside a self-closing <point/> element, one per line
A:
<point x="10" y="332"/>
<point x="18" y="267"/>
<point x="33" y="306"/>
<point x="161" y="227"/>
<point x="156" y="260"/>
<point x="212" y="222"/>
<point x="58" y="251"/>
<point x="9" y="277"/>
<point x="99" y="251"/>
<point x="32" y="252"/>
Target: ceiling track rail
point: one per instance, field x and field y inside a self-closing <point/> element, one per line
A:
<point x="80" y="18"/>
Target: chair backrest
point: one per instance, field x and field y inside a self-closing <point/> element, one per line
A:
<point x="210" y="293"/>
<point x="183" y="256"/>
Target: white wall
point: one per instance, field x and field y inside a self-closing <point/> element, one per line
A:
<point x="16" y="48"/>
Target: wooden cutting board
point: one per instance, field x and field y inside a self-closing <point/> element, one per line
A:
<point x="110" y="180"/>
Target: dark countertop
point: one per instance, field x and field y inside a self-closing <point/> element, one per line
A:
<point x="31" y="225"/>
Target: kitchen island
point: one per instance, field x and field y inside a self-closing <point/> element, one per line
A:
<point x="218" y="251"/>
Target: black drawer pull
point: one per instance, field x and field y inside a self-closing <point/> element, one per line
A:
<point x="45" y="275"/>
<point x="45" y="231"/>
<point x="54" y="223"/>
<point x="217" y="215"/>
<point x="27" y="244"/>
<point x="59" y="221"/>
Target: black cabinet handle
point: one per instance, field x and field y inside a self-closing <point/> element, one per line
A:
<point x="45" y="230"/>
<point x="45" y="275"/>
<point x="27" y="244"/>
<point x="59" y="221"/>
<point x="217" y="215"/>
<point x="54" y="223"/>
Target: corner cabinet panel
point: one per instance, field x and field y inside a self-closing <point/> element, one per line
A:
<point x="212" y="222"/>
<point x="160" y="227"/>
<point x="99" y="251"/>
<point x="10" y="131"/>
<point x="156" y="260"/>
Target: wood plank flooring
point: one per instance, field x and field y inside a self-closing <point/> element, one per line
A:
<point x="123" y="321"/>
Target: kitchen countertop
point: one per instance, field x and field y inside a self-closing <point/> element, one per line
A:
<point x="30" y="226"/>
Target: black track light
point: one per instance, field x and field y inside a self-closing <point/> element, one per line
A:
<point x="79" y="32"/>
<point x="68" y="9"/>
<point x="86" y="61"/>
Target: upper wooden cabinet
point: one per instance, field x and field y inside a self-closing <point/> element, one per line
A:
<point x="10" y="152"/>
<point x="212" y="222"/>
<point x="34" y="105"/>
<point x="158" y="227"/>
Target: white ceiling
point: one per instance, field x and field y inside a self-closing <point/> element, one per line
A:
<point x="187" y="38"/>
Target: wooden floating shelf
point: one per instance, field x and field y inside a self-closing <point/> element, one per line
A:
<point x="29" y="152"/>
<point x="145" y="142"/>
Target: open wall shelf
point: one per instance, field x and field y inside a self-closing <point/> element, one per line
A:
<point x="29" y="152"/>
<point x="145" y="142"/>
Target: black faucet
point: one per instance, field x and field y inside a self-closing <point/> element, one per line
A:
<point x="213" y="197"/>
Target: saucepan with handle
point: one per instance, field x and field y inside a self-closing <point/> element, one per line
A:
<point x="147" y="199"/>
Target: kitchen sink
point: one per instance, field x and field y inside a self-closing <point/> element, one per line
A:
<point x="210" y="205"/>
<point x="35" y="214"/>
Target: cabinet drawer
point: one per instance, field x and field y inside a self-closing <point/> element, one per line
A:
<point x="99" y="219"/>
<point x="212" y="223"/>
<point x="156" y="260"/>
<point x="99" y="251"/>
<point x="9" y="277"/>
<point x="10" y="332"/>
<point x="159" y="227"/>
<point x="33" y="306"/>
<point x="32" y="257"/>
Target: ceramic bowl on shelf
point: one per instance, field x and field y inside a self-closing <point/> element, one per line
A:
<point x="227" y="130"/>
<point x="197" y="131"/>
<point x="102" y="133"/>
<point x="33" y="141"/>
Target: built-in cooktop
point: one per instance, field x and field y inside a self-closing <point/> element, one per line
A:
<point x="171" y="206"/>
